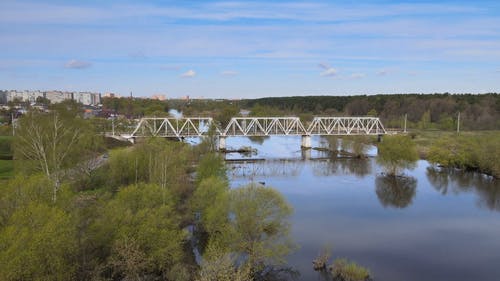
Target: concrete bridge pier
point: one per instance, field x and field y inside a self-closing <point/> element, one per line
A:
<point x="222" y="143"/>
<point x="306" y="141"/>
<point x="306" y="154"/>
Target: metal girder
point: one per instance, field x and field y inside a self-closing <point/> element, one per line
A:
<point x="258" y="126"/>
<point x="172" y="127"/>
<point x="346" y="126"/>
<point x="264" y="126"/>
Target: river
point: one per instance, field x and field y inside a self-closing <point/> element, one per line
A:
<point x="432" y="225"/>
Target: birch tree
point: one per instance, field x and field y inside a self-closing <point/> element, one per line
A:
<point x="49" y="143"/>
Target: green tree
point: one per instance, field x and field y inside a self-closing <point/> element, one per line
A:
<point x="52" y="143"/>
<point x="396" y="153"/>
<point x="210" y="201"/>
<point x="211" y="165"/>
<point x="140" y="233"/>
<point x="38" y="243"/>
<point x="259" y="226"/>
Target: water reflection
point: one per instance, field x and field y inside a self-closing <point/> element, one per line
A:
<point x="293" y="167"/>
<point x="397" y="192"/>
<point x="268" y="168"/>
<point x="456" y="181"/>
<point x="354" y="166"/>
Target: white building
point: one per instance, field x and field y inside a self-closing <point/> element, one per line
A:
<point x="58" y="96"/>
<point x="85" y="98"/>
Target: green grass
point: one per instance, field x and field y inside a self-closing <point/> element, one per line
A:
<point x="6" y="165"/>
<point x="5" y="144"/>
<point x="6" y="169"/>
<point x="425" y="138"/>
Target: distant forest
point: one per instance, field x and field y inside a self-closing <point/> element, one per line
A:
<point x="431" y="111"/>
<point x="423" y="111"/>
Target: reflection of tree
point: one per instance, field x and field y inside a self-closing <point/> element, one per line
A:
<point x="396" y="191"/>
<point x="456" y="181"/>
<point x="358" y="167"/>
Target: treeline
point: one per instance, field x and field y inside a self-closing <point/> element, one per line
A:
<point x="433" y="111"/>
<point x="135" y="107"/>
<point x="73" y="213"/>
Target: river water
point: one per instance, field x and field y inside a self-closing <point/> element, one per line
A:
<point x="431" y="225"/>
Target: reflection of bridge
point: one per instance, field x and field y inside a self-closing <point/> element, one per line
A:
<point x="257" y="126"/>
<point x="291" y="167"/>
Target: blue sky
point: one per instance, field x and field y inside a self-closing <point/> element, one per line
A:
<point x="235" y="49"/>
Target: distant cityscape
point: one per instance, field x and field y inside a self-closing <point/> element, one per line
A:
<point x="85" y="98"/>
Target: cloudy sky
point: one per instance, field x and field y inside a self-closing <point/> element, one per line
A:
<point x="235" y="49"/>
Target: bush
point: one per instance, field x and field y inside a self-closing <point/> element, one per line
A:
<point x="397" y="152"/>
<point x="344" y="270"/>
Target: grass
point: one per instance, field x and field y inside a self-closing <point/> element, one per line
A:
<point x="6" y="164"/>
<point x="6" y="169"/>
<point x="425" y="138"/>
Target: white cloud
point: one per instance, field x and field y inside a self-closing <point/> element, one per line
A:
<point x="77" y="64"/>
<point x="189" y="74"/>
<point x="328" y="70"/>
<point x="357" y="75"/>
<point x="229" y="72"/>
<point x="382" y="72"/>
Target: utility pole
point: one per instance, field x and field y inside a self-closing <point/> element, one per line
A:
<point x="406" y="116"/>
<point x="458" y="123"/>
<point x="12" y="124"/>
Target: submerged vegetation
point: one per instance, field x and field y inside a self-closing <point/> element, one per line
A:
<point x="396" y="153"/>
<point x="341" y="269"/>
<point x="480" y="153"/>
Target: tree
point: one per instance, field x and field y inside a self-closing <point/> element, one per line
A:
<point x="258" y="226"/>
<point x="211" y="165"/>
<point x="210" y="201"/>
<point x="140" y="233"/>
<point x="38" y="244"/>
<point x="51" y="143"/>
<point x="396" y="153"/>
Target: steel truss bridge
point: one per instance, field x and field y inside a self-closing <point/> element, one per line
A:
<point x="256" y="126"/>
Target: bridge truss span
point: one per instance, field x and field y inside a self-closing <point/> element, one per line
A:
<point x="172" y="127"/>
<point x="257" y="126"/>
<point x="346" y="126"/>
<point x="264" y="126"/>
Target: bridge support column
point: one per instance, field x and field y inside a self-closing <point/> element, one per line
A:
<point x="306" y="154"/>
<point x="222" y="143"/>
<point x="306" y="141"/>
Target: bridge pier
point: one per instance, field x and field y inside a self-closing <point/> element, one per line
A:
<point x="306" y="141"/>
<point x="306" y="154"/>
<point x="222" y="143"/>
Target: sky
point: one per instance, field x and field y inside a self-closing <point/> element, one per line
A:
<point x="246" y="49"/>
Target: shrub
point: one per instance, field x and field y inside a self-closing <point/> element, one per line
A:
<point x="344" y="270"/>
